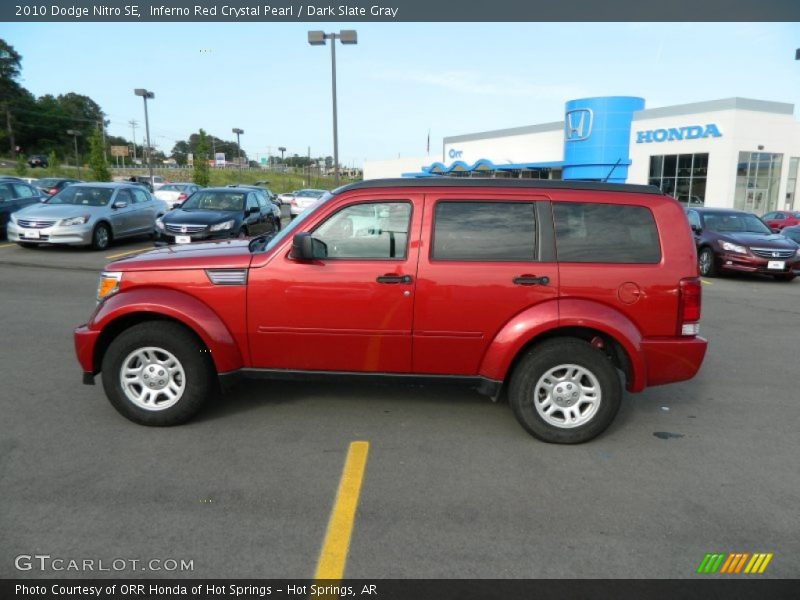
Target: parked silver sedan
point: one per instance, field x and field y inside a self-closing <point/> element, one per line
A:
<point x="86" y="214"/>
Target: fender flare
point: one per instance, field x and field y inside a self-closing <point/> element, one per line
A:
<point x="553" y="315"/>
<point x="181" y="307"/>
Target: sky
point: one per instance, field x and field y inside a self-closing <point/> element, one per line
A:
<point x="399" y="82"/>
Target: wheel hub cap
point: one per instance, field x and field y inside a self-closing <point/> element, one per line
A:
<point x="152" y="378"/>
<point x="567" y="396"/>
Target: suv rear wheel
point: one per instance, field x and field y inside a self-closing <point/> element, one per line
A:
<point x="564" y="391"/>
<point x="157" y="373"/>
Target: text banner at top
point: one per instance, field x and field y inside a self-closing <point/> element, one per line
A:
<point x="397" y="10"/>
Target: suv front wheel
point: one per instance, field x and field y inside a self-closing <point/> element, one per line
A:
<point x="564" y="391"/>
<point x="158" y="374"/>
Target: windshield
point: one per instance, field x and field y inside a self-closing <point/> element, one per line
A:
<point x="291" y="227"/>
<point x="231" y="201"/>
<point x="172" y="187"/>
<point x="735" y="223"/>
<point x="82" y="195"/>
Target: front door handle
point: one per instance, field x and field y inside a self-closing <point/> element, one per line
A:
<point x="389" y="278"/>
<point x="531" y="280"/>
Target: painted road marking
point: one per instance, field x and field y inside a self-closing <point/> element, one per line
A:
<point x="706" y="282"/>
<point x="127" y="253"/>
<point x="333" y="556"/>
<point x="6" y="245"/>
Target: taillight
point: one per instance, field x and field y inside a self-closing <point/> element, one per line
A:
<point x="52" y="191"/>
<point x="181" y="196"/>
<point x="690" y="296"/>
<point x="293" y="202"/>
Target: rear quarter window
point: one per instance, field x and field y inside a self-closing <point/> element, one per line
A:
<point x="588" y="232"/>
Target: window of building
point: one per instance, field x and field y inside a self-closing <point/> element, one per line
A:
<point x="682" y="176"/>
<point x="485" y="231"/>
<point x="605" y="233"/>
<point x="758" y="176"/>
<point x="791" y="202"/>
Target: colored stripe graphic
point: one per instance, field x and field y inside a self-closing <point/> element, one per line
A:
<point x="734" y="562"/>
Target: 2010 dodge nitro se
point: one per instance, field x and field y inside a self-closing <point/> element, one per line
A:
<point x="556" y="291"/>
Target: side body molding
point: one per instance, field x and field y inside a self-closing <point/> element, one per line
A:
<point x="179" y="306"/>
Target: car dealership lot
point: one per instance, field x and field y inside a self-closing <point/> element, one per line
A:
<point x="453" y="487"/>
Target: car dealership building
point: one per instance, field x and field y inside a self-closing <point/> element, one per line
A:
<point x="735" y="152"/>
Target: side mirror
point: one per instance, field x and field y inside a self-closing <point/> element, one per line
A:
<point x="696" y="228"/>
<point x="306" y="247"/>
<point x="119" y="204"/>
<point x="253" y="210"/>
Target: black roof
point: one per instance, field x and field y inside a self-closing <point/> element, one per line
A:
<point x="477" y="182"/>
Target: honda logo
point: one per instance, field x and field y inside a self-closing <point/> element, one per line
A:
<point x="183" y="229"/>
<point x="776" y="254"/>
<point x="578" y="124"/>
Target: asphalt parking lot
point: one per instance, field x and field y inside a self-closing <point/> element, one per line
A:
<point x="453" y="486"/>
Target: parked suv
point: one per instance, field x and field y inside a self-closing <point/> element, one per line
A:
<point x="737" y="241"/>
<point x="548" y="289"/>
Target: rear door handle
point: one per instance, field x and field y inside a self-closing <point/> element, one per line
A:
<point x="393" y="278"/>
<point x="531" y="280"/>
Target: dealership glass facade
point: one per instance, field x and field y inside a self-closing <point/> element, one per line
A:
<point x="791" y="185"/>
<point x="758" y="176"/>
<point x="682" y="176"/>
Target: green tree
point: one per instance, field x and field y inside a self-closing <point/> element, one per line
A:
<point x="180" y="152"/>
<point x="201" y="174"/>
<point x="52" y="160"/>
<point x="97" y="157"/>
<point x="22" y="165"/>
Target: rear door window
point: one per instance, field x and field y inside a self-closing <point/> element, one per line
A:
<point x="588" y="232"/>
<point x="484" y="231"/>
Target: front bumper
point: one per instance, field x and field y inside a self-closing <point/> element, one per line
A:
<point x="85" y="340"/>
<point x="74" y="235"/>
<point x="741" y="263"/>
<point x="201" y="236"/>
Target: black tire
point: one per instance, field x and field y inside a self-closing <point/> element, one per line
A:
<point x="100" y="240"/>
<point x="786" y="277"/>
<point x="706" y="262"/>
<point x="200" y="382"/>
<point x="546" y="356"/>
<point x="27" y="245"/>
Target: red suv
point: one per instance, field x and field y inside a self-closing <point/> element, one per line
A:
<point x="550" y="289"/>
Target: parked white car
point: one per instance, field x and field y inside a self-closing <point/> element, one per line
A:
<point x="304" y="199"/>
<point x="175" y="193"/>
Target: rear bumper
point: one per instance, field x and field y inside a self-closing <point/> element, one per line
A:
<point x="85" y="340"/>
<point x="673" y="359"/>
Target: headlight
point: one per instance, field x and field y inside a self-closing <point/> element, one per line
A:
<point x="109" y="284"/>
<point x="222" y="226"/>
<point x="728" y="247"/>
<point x="160" y="223"/>
<point x="74" y="221"/>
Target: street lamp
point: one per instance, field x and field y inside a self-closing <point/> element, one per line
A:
<point x="317" y="38"/>
<point x="145" y="95"/>
<point x="75" y="133"/>
<point x="238" y="132"/>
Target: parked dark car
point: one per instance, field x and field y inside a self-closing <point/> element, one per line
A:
<point x="15" y="195"/>
<point x="52" y="185"/>
<point x="38" y="160"/>
<point x="793" y="233"/>
<point x="216" y="213"/>
<point x="734" y="240"/>
<point x="266" y="199"/>
<point x="781" y="218"/>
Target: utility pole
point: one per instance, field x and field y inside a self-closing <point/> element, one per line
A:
<point x="133" y="125"/>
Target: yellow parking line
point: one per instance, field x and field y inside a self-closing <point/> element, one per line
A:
<point x="706" y="282"/>
<point x="6" y="245"/>
<point x="333" y="556"/>
<point x="127" y="253"/>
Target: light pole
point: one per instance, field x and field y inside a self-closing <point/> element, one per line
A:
<point x="238" y="132"/>
<point x="145" y="96"/>
<point x="75" y="133"/>
<point x="317" y="38"/>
